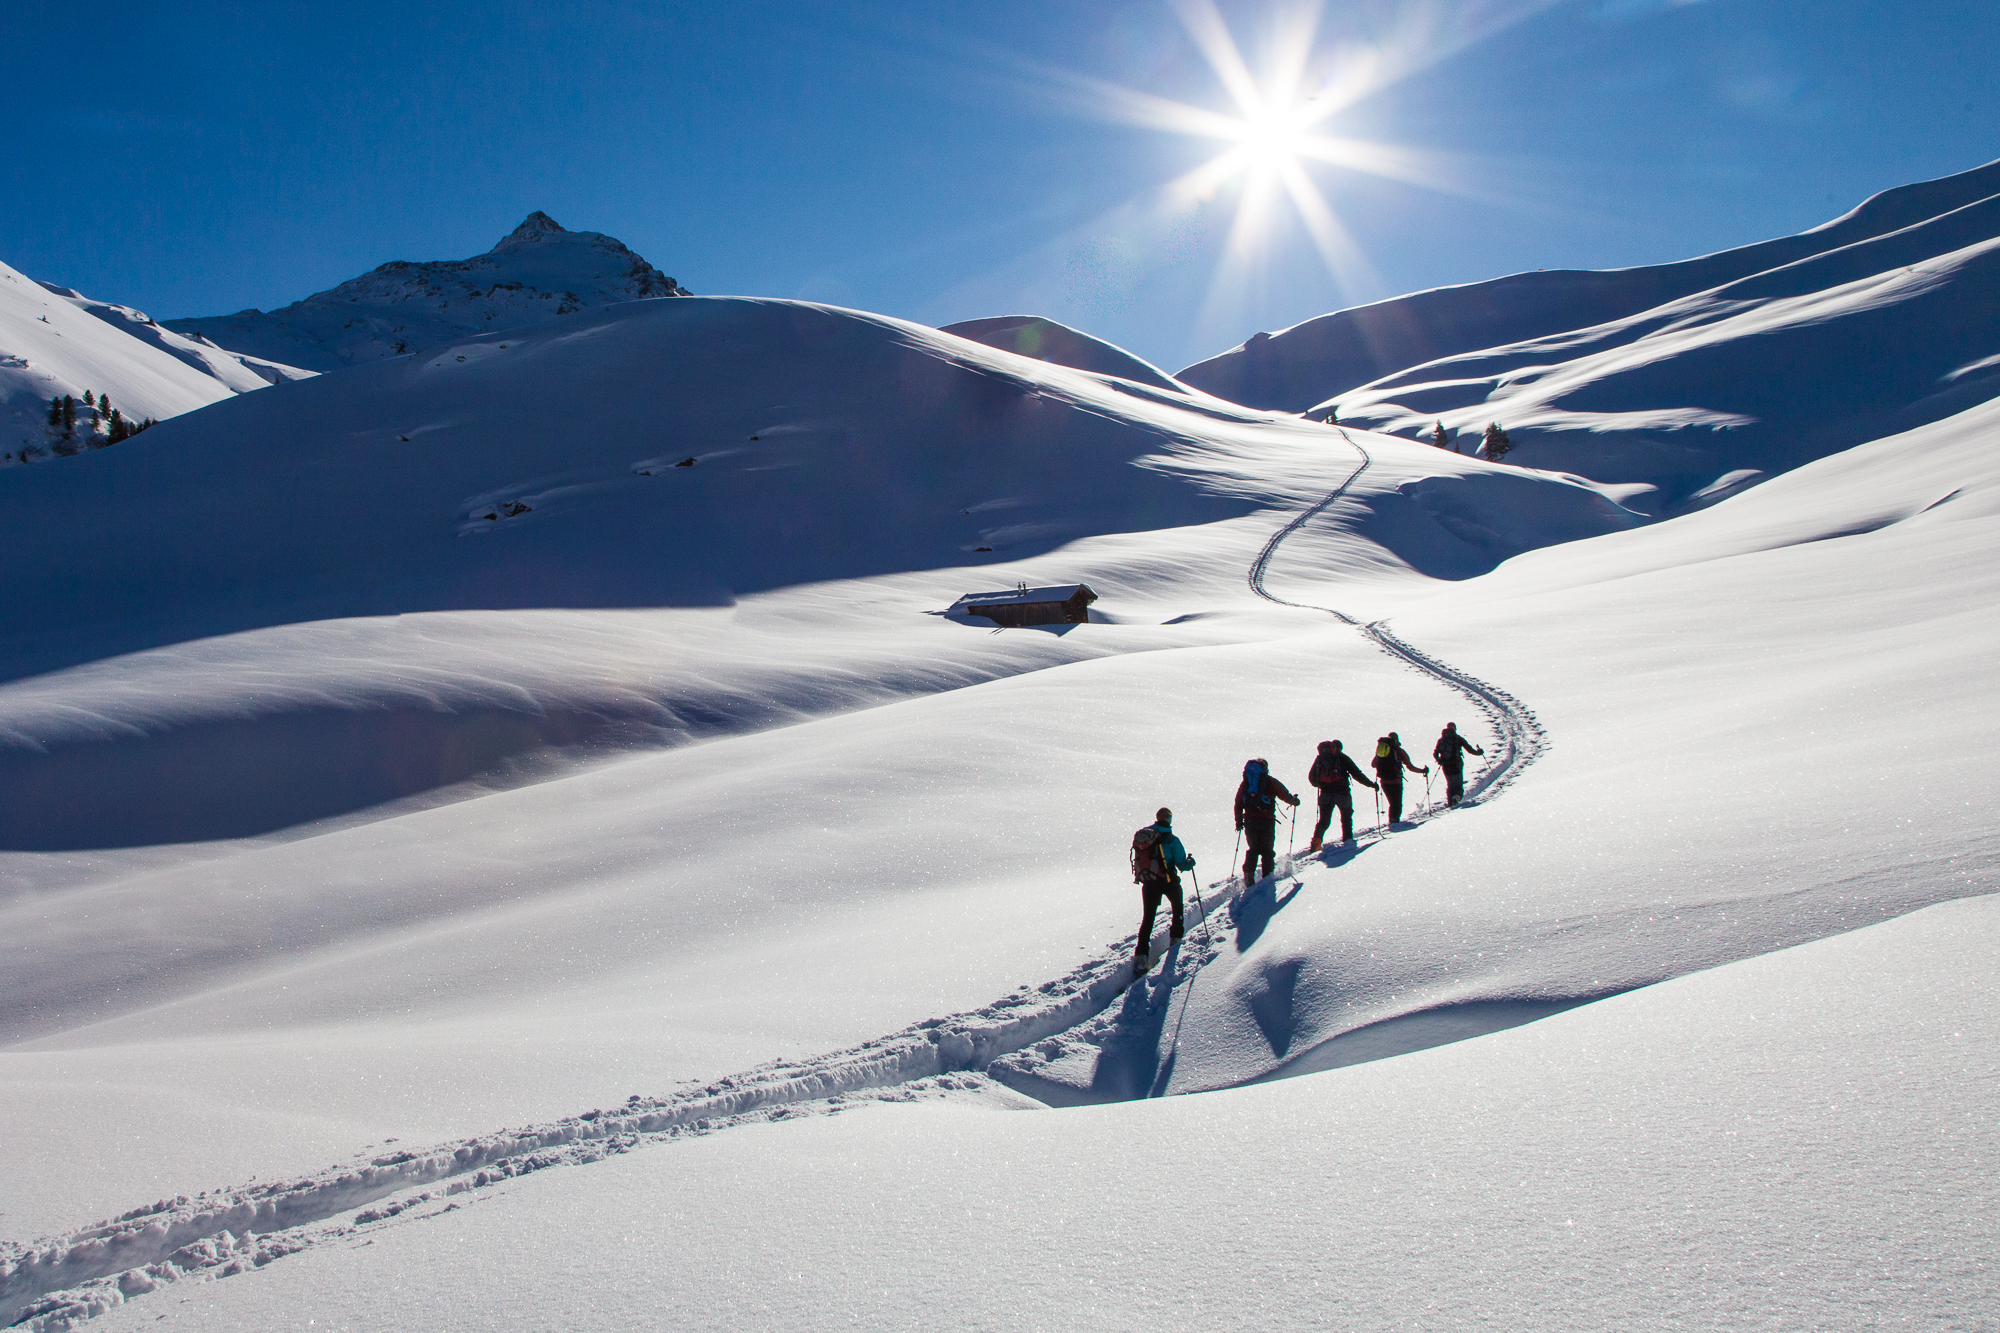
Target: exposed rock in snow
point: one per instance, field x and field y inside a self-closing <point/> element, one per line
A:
<point x="537" y="272"/>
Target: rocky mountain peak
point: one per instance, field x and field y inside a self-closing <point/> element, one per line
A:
<point x="534" y="227"/>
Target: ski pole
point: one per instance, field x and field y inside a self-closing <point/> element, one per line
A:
<point x="1232" y="854"/>
<point x="1292" y="836"/>
<point x="1203" y="906"/>
<point x="1427" y="791"/>
<point x="1380" y="828"/>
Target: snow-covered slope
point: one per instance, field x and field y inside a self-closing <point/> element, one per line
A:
<point x="338" y="947"/>
<point x="1324" y="358"/>
<point x="1046" y="340"/>
<point x="537" y="272"/>
<point x="55" y="341"/>
<point x="1694" y="378"/>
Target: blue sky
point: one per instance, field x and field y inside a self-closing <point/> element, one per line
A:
<point x="948" y="160"/>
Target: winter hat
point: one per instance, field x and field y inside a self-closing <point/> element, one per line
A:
<point x="1163" y="816"/>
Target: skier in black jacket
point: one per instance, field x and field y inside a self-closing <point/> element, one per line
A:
<point x="1390" y="761"/>
<point x="1450" y="752"/>
<point x="1330" y="774"/>
<point x="1257" y="798"/>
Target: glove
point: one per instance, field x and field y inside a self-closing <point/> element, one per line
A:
<point x="1190" y="864"/>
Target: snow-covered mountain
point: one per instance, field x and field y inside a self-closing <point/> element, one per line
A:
<point x="55" y="342"/>
<point x="1692" y="378"/>
<point x="515" y="835"/>
<point x="537" y="272"/>
<point x="1046" y="340"/>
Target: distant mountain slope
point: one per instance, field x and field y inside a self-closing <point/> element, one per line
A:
<point x="1753" y="377"/>
<point x="536" y="272"/>
<point x="1326" y="357"/>
<point x="1058" y="344"/>
<point x="55" y="341"/>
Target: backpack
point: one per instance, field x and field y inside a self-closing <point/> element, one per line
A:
<point x="1384" y="750"/>
<point x="1253" y="786"/>
<point x="1149" y="855"/>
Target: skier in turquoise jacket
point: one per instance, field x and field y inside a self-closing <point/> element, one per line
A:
<point x="1157" y="860"/>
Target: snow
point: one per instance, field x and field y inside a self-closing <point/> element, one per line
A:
<point x="1679" y="376"/>
<point x="55" y="341"/>
<point x="537" y="272"/>
<point x="1046" y="340"/>
<point x="1767" y="1143"/>
<point x="642" y="907"/>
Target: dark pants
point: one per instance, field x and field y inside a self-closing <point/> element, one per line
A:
<point x="1392" y="792"/>
<point x="1329" y="801"/>
<point x="1261" y="836"/>
<point x="1150" y="893"/>
<point x="1454" y="785"/>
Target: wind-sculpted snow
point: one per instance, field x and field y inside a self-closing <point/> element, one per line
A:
<point x="1692" y="379"/>
<point x="1333" y="355"/>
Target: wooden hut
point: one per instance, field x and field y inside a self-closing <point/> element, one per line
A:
<point x="1066" y="604"/>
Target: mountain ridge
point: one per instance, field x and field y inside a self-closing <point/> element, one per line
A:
<point x="536" y="272"/>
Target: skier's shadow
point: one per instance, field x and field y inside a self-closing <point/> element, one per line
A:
<point x="1253" y="910"/>
<point x="1129" y="1062"/>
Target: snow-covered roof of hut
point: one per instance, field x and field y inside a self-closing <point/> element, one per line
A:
<point x="1061" y="592"/>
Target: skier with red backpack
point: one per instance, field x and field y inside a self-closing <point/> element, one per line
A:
<point x="1257" y="798"/>
<point x="1331" y="773"/>
<point x="1157" y="860"/>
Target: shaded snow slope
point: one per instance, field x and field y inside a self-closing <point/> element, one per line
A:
<point x="537" y="272"/>
<point x="1324" y="358"/>
<point x="828" y="446"/>
<point x="1046" y="340"/>
<point x="56" y="341"/>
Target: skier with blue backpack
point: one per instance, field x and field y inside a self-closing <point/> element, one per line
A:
<point x="1257" y="798"/>
<point x="1157" y="860"/>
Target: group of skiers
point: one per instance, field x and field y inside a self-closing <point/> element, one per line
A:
<point x="1158" y="856"/>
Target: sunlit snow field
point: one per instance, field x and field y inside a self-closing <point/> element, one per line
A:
<point x="790" y="918"/>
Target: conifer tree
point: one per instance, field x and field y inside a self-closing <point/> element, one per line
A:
<point x="1439" y="438"/>
<point x="88" y="401"/>
<point x="1497" y="445"/>
<point x="68" y="415"/>
<point x="55" y="413"/>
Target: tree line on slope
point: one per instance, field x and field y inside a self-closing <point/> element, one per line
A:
<point x="106" y="426"/>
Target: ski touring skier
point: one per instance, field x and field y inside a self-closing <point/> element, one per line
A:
<point x="1450" y="752"/>
<point x="1331" y="773"/>
<point x="1390" y="761"/>
<point x="1157" y="860"/>
<point x="1257" y="798"/>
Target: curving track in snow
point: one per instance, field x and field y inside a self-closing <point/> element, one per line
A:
<point x="1519" y="738"/>
<point x="56" y="1284"/>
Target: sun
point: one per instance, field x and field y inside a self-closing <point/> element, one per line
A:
<point x="1272" y="139"/>
<point x="1275" y="135"/>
